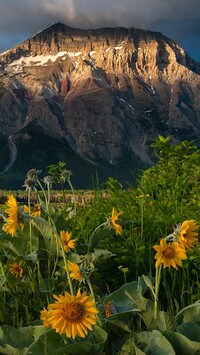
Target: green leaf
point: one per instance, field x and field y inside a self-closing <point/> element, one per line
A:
<point x="129" y="348"/>
<point x="149" y="284"/>
<point x="14" y="246"/>
<point x="154" y="343"/>
<point x="189" y="313"/>
<point x="191" y="330"/>
<point x="99" y="254"/>
<point x="98" y="237"/>
<point x="145" y="306"/>
<point x="53" y="343"/>
<point x="46" y="285"/>
<point x="48" y="343"/>
<point x="49" y="239"/>
<point x="127" y="301"/>
<point x="10" y="350"/>
<point x="121" y="300"/>
<point x="181" y="344"/>
<point x="164" y="322"/>
<point x="117" y="326"/>
<point x="117" y="295"/>
<point x="31" y="257"/>
<point x="2" y="280"/>
<point x="16" y="341"/>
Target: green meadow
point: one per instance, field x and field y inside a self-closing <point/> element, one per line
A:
<point x="110" y="271"/>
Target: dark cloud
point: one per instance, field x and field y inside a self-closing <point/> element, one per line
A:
<point x="178" y="19"/>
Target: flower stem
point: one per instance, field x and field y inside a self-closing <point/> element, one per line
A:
<point x="66" y="267"/>
<point x="90" y="287"/>
<point x="73" y="193"/>
<point x="157" y="285"/>
<point x="93" y="233"/>
<point x="30" y="225"/>
<point x="41" y="220"/>
<point x="92" y="293"/>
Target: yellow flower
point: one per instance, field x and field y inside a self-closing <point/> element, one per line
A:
<point x="75" y="272"/>
<point x="26" y="209"/>
<point x="16" y="270"/>
<point x="73" y="315"/>
<point x="36" y="210"/>
<point x="188" y="234"/>
<point x="13" y="220"/>
<point x="44" y="317"/>
<point x="169" y="254"/>
<point x="114" y="219"/>
<point x="67" y="242"/>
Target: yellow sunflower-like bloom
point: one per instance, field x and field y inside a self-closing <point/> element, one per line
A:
<point x="75" y="272"/>
<point x="36" y="210"/>
<point x="26" y="209"/>
<point x="169" y="254"/>
<point x="67" y="242"/>
<point x="13" y="220"/>
<point x="16" y="270"/>
<point x="112" y="221"/>
<point x="44" y="317"/>
<point x="188" y="234"/>
<point x="73" y="315"/>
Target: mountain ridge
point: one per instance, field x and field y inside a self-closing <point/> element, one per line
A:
<point x="107" y="93"/>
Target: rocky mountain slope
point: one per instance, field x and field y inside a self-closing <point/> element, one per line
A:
<point x="103" y="95"/>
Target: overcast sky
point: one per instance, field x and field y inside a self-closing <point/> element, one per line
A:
<point x="176" y="19"/>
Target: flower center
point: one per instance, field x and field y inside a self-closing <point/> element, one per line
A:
<point x="168" y="252"/>
<point x="72" y="312"/>
<point x="36" y="208"/>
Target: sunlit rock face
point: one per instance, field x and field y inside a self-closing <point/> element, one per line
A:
<point x="107" y="93"/>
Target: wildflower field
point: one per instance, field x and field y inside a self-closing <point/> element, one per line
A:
<point x="114" y="271"/>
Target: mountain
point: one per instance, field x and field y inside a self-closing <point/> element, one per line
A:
<point x="96" y="99"/>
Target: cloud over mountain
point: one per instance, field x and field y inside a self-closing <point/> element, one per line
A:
<point x="178" y="19"/>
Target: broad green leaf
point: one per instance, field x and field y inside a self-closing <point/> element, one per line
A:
<point x="117" y="325"/>
<point x="191" y="330"/>
<point x="145" y="305"/>
<point x="48" y="343"/>
<point x="93" y="345"/>
<point x="99" y="254"/>
<point x="18" y="245"/>
<point x="142" y="286"/>
<point x="10" y="350"/>
<point x="128" y="300"/>
<point x="14" y="246"/>
<point x="154" y="343"/>
<point x="49" y="238"/>
<point x="182" y="345"/>
<point x="149" y="284"/>
<point x="19" y="339"/>
<point x="97" y="238"/>
<point x="129" y="348"/>
<point x="189" y="313"/>
<point x="118" y="295"/>
<point x="164" y="322"/>
<point x="53" y="343"/>
<point x="31" y="257"/>
<point x="121" y="300"/>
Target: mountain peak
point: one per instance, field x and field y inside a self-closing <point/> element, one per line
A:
<point x="52" y="28"/>
<point x="107" y="92"/>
